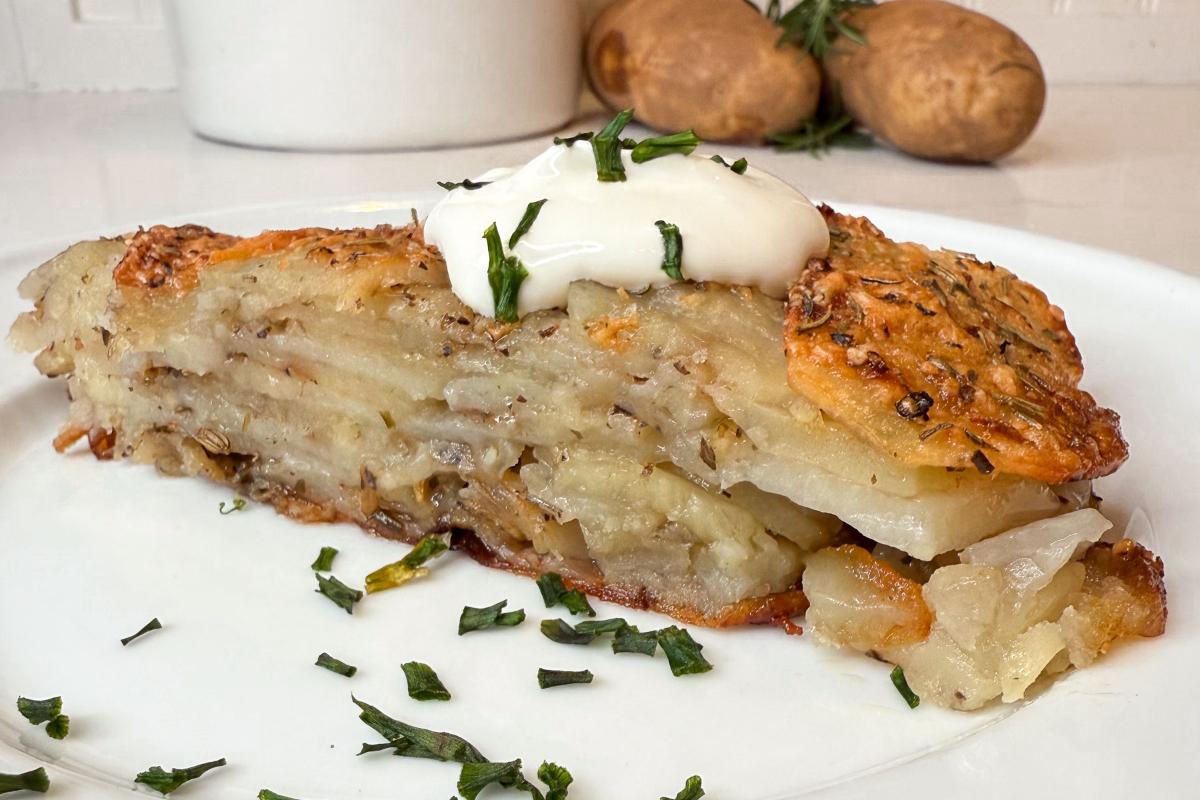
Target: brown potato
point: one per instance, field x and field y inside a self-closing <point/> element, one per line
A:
<point x="938" y="81"/>
<point x="709" y="65"/>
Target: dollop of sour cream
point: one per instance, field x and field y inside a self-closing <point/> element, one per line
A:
<point x="751" y="229"/>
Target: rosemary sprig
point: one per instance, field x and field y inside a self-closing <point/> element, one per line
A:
<point x="821" y="133"/>
<point x="816" y="24"/>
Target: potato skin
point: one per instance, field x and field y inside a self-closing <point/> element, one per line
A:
<point x="710" y="65"/>
<point x="938" y="81"/>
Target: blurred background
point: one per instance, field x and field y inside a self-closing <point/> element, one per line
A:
<point x="99" y="99"/>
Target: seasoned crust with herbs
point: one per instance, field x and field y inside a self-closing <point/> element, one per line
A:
<point x="943" y="360"/>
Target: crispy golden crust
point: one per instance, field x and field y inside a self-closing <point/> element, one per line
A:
<point x="942" y="360"/>
<point x="168" y="258"/>
<point x="171" y="259"/>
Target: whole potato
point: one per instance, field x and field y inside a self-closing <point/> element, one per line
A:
<point x="709" y="65"/>
<point x="938" y="81"/>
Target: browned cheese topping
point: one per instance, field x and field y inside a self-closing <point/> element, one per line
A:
<point x="943" y="360"/>
<point x="172" y="258"/>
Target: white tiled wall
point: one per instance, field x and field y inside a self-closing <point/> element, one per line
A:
<point x="120" y="44"/>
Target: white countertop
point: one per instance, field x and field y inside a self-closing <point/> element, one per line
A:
<point x="1116" y="167"/>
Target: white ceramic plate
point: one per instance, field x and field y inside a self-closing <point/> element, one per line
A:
<point x="93" y="550"/>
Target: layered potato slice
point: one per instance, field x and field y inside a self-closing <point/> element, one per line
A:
<point x="647" y="446"/>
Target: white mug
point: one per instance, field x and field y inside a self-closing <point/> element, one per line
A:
<point x="376" y="74"/>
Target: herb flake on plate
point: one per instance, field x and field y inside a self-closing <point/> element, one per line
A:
<point x="901" y="684"/>
<point x="555" y="592"/>
<point x="39" y="711"/>
<point x="411" y="566"/>
<point x="324" y="561"/>
<point x="557" y="630"/>
<point x="335" y="665"/>
<point x="692" y="790"/>
<point x="423" y="682"/>
<point x="35" y="780"/>
<point x="413" y="742"/>
<point x="267" y="794"/>
<point x="477" y="776"/>
<point x="599" y="627"/>
<point x="59" y="727"/>
<point x="549" y="678"/>
<point x="152" y="625"/>
<point x="165" y="782"/>
<point x="630" y="640"/>
<point x="237" y="504"/>
<point x="339" y="593"/>
<point x="683" y="652"/>
<point x="479" y="619"/>
<point x="556" y="778"/>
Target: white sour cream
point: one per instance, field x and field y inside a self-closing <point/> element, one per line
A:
<point x="750" y="230"/>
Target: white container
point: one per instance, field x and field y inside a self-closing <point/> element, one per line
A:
<point x="376" y="74"/>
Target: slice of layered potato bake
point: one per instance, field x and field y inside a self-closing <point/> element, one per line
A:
<point x="899" y="446"/>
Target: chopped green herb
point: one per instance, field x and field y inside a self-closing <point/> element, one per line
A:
<point x="672" y="263"/>
<point x="48" y="711"/>
<point x="554" y="592"/>
<point x="556" y="778"/>
<point x="237" y="504"/>
<point x="738" y="167"/>
<point x="692" y="790"/>
<point x="682" y="143"/>
<point x="901" y="684"/>
<point x="267" y="794"/>
<point x="630" y="640"/>
<point x="683" y="652"/>
<point x="598" y="627"/>
<point x="335" y="665"/>
<point x="527" y="219"/>
<point x="35" y="780"/>
<point x="341" y="594"/>
<point x="39" y="711"/>
<point x="374" y="748"/>
<point x="606" y="148"/>
<point x="475" y="777"/>
<point x="478" y="619"/>
<point x="423" y="682"/>
<point x="409" y="567"/>
<point x="505" y="276"/>
<point x="465" y="183"/>
<point x="585" y="136"/>
<point x="152" y="625"/>
<point x="556" y="630"/>
<point x="59" y="727"/>
<point x="549" y="678"/>
<point x="324" y="561"/>
<point x="414" y="742"/>
<point x="165" y="782"/>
